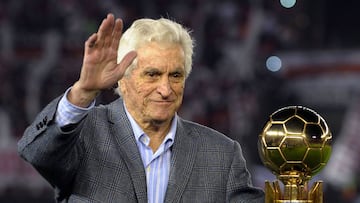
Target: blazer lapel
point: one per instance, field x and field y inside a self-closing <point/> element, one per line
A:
<point x="182" y="161"/>
<point x="125" y="138"/>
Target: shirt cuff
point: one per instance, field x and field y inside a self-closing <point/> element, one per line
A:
<point x="68" y="113"/>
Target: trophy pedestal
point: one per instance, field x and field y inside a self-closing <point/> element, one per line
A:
<point x="293" y="193"/>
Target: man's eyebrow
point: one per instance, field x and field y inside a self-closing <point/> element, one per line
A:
<point x="151" y="69"/>
<point x="179" y="69"/>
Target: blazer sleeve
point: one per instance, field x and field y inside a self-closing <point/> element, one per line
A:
<point x="55" y="154"/>
<point x="239" y="185"/>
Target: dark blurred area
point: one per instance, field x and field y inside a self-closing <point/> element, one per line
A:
<point x="231" y="89"/>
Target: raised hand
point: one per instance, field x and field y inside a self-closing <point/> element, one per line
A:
<point x="100" y="69"/>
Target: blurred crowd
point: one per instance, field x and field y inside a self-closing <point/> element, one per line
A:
<point x="41" y="47"/>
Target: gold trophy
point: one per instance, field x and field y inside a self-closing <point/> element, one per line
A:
<point x="295" y="144"/>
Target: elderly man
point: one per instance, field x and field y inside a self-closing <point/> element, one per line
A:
<point x="135" y="149"/>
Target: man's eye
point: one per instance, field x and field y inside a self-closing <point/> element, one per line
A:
<point x="152" y="74"/>
<point x="177" y="75"/>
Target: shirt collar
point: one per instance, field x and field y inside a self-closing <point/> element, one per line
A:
<point x="138" y="131"/>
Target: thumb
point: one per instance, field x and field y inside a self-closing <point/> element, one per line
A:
<point x="126" y="62"/>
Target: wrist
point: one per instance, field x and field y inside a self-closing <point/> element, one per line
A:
<point x="80" y="96"/>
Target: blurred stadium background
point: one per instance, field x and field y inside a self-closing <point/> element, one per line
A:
<point x="252" y="57"/>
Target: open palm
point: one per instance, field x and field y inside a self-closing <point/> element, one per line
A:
<point x="100" y="69"/>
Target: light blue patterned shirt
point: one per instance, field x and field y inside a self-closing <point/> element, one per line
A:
<point x="156" y="165"/>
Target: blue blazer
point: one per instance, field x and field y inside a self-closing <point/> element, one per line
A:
<point x="97" y="160"/>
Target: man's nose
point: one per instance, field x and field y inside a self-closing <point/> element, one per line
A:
<point x="164" y="87"/>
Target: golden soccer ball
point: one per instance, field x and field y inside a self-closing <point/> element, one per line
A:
<point x="295" y="141"/>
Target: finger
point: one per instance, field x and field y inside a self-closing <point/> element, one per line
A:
<point x="90" y="43"/>
<point x="117" y="33"/>
<point x="126" y="62"/>
<point x="105" y="30"/>
<point x="109" y="33"/>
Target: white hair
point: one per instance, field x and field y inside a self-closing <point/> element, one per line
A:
<point x="161" y="30"/>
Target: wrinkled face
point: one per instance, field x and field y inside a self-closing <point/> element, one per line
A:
<point x="153" y="91"/>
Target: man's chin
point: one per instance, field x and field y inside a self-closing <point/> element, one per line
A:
<point x="159" y="120"/>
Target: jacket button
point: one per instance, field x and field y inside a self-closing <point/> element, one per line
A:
<point x="45" y="120"/>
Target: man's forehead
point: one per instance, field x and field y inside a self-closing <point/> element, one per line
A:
<point x="159" y="55"/>
<point x="160" y="47"/>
